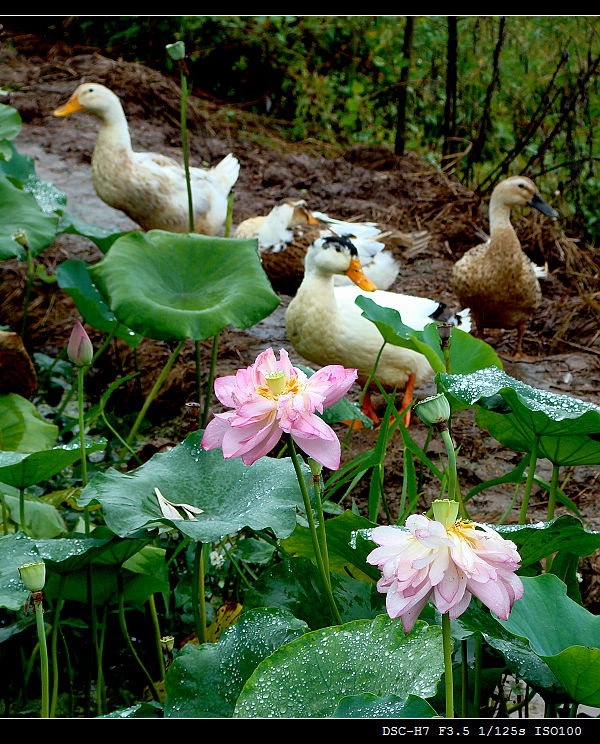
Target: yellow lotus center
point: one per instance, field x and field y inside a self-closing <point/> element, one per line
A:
<point x="278" y="384"/>
<point x="463" y="530"/>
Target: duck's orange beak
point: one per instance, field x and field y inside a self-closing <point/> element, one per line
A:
<point x="357" y="275"/>
<point x="70" y="106"/>
<point x="312" y="220"/>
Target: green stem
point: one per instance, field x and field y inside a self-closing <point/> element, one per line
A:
<point x="313" y="532"/>
<point x="477" y="676"/>
<point x="211" y="377"/>
<point x="552" y="495"/>
<point x="123" y="624"/>
<point x="198" y="599"/>
<point x="551" y="506"/>
<point x="464" y="677"/>
<point x="453" y="492"/>
<point x="41" y="632"/>
<point x="22" y="508"/>
<point x="322" y="531"/>
<point x="157" y="635"/>
<point x="184" y="146"/>
<point x="152" y="394"/>
<point x="448" y="678"/>
<point x="529" y="481"/>
<point x="4" y="515"/>
<point x="54" y="646"/>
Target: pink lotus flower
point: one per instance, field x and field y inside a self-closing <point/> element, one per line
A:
<point x="270" y="398"/>
<point x="447" y="561"/>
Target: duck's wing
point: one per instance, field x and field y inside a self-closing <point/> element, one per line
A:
<point x="415" y="312"/>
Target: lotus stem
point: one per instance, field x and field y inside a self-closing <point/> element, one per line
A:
<point x="313" y="532"/>
<point x="454" y="493"/>
<point x="322" y="531"/>
<point x="448" y="674"/>
<point x="198" y="598"/>
<point x="551" y="506"/>
<point x="529" y="481"/>
<point x="37" y="598"/>
<point x="157" y="634"/>
<point x="22" y="508"/>
<point x="123" y="624"/>
<point x="152" y="394"/>
<point x="53" y="645"/>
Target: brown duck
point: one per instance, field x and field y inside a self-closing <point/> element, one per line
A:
<point x="495" y="279"/>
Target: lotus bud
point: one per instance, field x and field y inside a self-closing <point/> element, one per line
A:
<point x="80" y="349"/>
<point x="276" y="382"/>
<point x="176" y="51"/>
<point x="434" y="410"/>
<point x="33" y="575"/>
<point x="445" y="511"/>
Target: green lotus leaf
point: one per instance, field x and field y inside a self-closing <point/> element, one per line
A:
<point x="23" y="222"/>
<point x="296" y="584"/>
<point x="466" y="352"/>
<point x="10" y="122"/>
<point x="536" y="541"/>
<point x="175" y="286"/>
<point x="232" y="495"/>
<point x="22" y="429"/>
<point x="567" y="430"/>
<point x="102" y="237"/>
<point x="21" y="168"/>
<point x="567" y="639"/>
<point x="205" y="681"/>
<point x="22" y="470"/>
<point x="74" y="278"/>
<point x="347" y="545"/>
<point x="368" y="705"/>
<point x="309" y="676"/>
<point x="18" y="549"/>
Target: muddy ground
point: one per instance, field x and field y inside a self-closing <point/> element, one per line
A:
<point x="360" y="183"/>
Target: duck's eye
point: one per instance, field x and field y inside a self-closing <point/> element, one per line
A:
<point x="338" y="248"/>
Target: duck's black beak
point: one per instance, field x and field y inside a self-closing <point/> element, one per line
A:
<point x="541" y="205"/>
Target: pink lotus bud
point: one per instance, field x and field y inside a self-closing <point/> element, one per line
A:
<point x="80" y="349"/>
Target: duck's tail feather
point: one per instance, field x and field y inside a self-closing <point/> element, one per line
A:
<point x="226" y="172"/>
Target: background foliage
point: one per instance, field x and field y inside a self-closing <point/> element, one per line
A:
<point x="525" y="97"/>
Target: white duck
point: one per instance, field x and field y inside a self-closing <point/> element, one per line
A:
<point x="286" y="232"/>
<point x="496" y="279"/>
<point x="149" y="187"/>
<point x="325" y="326"/>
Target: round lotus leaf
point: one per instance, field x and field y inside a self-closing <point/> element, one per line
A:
<point x="175" y="286"/>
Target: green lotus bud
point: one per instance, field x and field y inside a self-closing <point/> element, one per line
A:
<point x="433" y="410"/>
<point x="33" y="575"/>
<point x="176" y="50"/>
<point x="445" y="511"/>
<point x="80" y="349"/>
